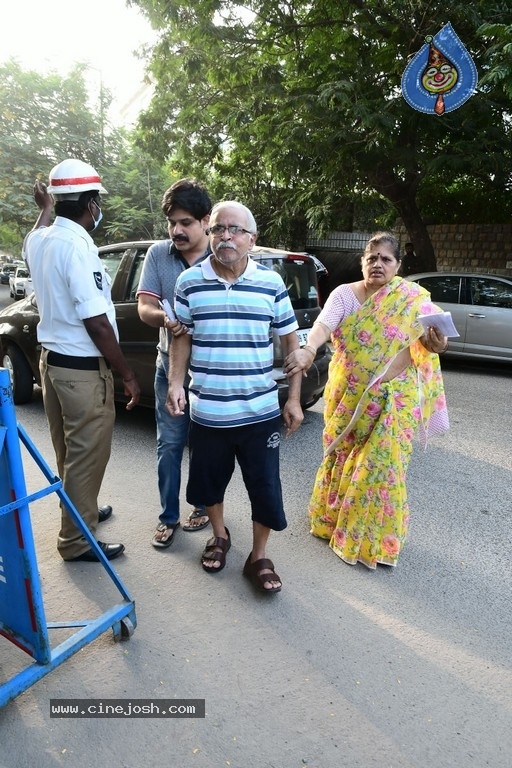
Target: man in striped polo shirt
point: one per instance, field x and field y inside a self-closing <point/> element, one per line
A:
<point x="229" y="307"/>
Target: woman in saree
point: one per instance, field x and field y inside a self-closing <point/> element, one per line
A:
<point x="384" y="385"/>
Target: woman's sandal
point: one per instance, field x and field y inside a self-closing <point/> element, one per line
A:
<point x="164" y="535"/>
<point x="255" y="573"/>
<point x="196" y="514"/>
<point x="216" y="549"/>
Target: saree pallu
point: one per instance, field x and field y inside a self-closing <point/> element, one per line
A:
<point x="359" y="500"/>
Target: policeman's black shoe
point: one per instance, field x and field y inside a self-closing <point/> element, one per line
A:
<point x="110" y="551"/>
<point x="104" y="513"/>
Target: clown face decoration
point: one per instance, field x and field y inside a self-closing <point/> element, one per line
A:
<point x="441" y="76"/>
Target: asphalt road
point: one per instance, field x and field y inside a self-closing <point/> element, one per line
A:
<point x="398" y="668"/>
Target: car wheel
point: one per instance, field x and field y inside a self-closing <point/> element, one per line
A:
<point x="22" y="381"/>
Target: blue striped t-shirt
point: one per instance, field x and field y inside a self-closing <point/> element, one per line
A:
<point x="232" y="327"/>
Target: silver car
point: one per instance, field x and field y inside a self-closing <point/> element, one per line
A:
<point x="481" y="309"/>
<point x="20" y="283"/>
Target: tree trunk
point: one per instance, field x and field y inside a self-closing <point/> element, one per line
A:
<point x="418" y="236"/>
<point x="402" y="194"/>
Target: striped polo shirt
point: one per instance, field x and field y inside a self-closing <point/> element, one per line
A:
<point x="232" y="327"/>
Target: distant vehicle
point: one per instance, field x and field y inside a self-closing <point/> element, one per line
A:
<point x="20" y="283"/>
<point x="6" y="271"/>
<point x="481" y="309"/>
<point x="124" y="261"/>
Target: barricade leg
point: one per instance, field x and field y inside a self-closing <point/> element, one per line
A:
<point x="22" y="615"/>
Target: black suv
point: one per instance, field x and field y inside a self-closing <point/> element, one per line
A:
<point x="123" y="261"/>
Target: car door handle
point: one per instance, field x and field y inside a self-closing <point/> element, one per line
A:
<point x="473" y="314"/>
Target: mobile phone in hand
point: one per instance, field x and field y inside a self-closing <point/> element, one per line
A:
<point x="164" y="304"/>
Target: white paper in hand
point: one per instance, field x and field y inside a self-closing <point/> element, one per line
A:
<point x="442" y="321"/>
<point x="168" y="309"/>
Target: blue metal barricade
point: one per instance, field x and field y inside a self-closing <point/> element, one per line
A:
<point x="22" y="615"/>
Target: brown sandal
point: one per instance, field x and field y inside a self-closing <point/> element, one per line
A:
<point x="254" y="572"/>
<point x="216" y="549"/>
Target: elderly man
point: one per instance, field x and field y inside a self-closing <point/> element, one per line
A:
<point x="229" y="308"/>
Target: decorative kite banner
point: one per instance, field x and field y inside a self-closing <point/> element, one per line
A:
<point x="441" y="76"/>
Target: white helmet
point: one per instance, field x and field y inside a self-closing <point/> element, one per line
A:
<point x="71" y="177"/>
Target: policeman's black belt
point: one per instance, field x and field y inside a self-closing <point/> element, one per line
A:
<point x="78" y="363"/>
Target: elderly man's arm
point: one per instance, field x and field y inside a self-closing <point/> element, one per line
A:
<point x="292" y="411"/>
<point x="179" y="357"/>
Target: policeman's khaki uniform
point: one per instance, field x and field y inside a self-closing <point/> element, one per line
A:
<point x="72" y="285"/>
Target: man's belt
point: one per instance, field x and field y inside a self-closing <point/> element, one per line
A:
<point x="71" y="361"/>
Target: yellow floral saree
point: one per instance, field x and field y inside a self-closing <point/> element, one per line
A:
<point x="359" y="500"/>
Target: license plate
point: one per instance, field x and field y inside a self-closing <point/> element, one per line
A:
<point x="303" y="336"/>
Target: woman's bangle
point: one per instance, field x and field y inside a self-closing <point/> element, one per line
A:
<point x="310" y="349"/>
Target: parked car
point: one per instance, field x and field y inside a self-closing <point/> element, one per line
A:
<point x="322" y="276"/>
<point x="7" y="271"/>
<point x="481" y="309"/>
<point x="124" y="261"/>
<point x="20" y="283"/>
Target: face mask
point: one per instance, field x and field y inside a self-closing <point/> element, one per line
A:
<point x="100" y="216"/>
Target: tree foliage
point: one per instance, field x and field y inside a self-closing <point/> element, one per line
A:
<point x="43" y="120"/>
<point x="498" y="39"/>
<point x="46" y="118"/>
<point x="135" y="184"/>
<point x="296" y="108"/>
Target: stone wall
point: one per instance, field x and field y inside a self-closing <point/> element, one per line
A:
<point x="458" y="247"/>
<point x="470" y="247"/>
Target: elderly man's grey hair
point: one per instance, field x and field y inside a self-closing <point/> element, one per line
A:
<point x="251" y="221"/>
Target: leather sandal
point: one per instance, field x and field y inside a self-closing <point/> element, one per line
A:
<point x="255" y="573"/>
<point x="216" y="549"/>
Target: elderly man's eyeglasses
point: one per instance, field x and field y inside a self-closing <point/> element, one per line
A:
<point x="233" y="229"/>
